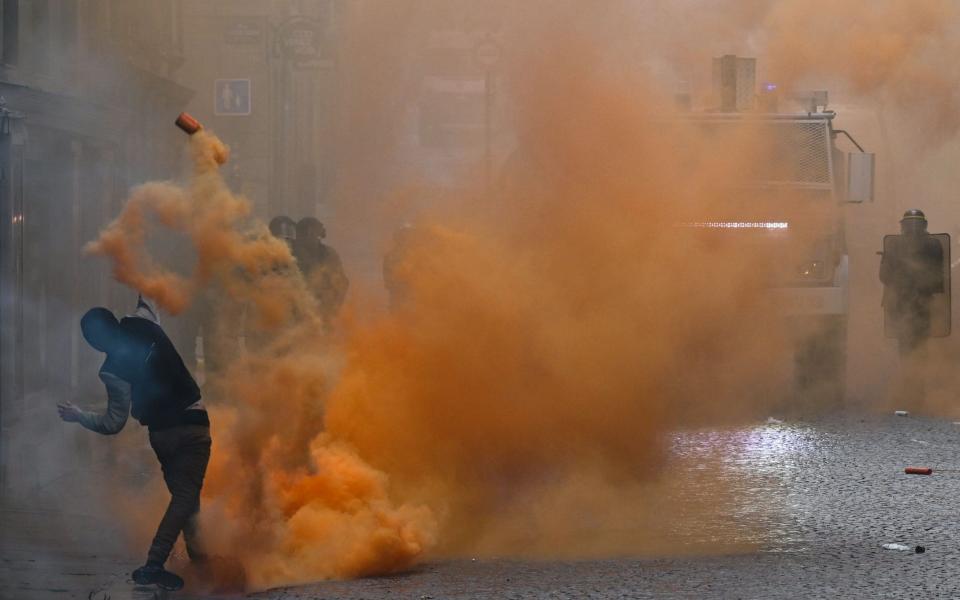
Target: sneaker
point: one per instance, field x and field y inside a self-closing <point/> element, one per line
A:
<point x="150" y="574"/>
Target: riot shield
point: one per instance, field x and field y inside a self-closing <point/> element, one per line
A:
<point x="939" y="303"/>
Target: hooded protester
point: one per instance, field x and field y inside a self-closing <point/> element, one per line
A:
<point x="145" y="377"/>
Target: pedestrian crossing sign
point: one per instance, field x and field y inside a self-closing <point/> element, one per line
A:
<point x="231" y="97"/>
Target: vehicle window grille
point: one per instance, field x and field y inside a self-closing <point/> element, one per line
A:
<point x="782" y="151"/>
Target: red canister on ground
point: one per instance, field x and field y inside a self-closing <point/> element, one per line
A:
<point x="918" y="471"/>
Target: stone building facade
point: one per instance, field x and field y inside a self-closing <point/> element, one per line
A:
<point x="89" y="94"/>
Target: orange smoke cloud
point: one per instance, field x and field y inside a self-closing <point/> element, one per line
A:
<point x="551" y="338"/>
<point x="555" y="343"/>
<point x="215" y="221"/>
<point x="295" y="503"/>
<point x="124" y="238"/>
<point x="900" y="52"/>
<point x="534" y="357"/>
<point x="302" y="504"/>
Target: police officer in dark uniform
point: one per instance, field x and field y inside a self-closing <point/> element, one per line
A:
<point x="284" y="228"/>
<point x="321" y="267"/>
<point x="912" y="271"/>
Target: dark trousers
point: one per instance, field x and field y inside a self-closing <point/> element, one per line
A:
<point x="183" y="452"/>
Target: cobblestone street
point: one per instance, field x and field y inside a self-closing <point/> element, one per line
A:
<point x="837" y="486"/>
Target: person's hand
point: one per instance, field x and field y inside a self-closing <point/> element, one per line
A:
<point x="68" y="412"/>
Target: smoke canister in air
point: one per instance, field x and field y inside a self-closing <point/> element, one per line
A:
<point x="918" y="471"/>
<point x="188" y="123"/>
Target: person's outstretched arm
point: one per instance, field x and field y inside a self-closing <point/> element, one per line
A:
<point x="115" y="417"/>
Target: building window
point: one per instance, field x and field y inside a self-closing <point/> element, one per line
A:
<point x="40" y="50"/>
<point x="67" y="31"/>
<point x="10" y="31"/>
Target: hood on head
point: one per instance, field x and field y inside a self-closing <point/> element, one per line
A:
<point x="100" y="328"/>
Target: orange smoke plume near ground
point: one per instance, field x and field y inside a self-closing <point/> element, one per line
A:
<point x="298" y="502"/>
<point x="292" y="502"/>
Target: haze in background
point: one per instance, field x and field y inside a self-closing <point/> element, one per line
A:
<point x="557" y="330"/>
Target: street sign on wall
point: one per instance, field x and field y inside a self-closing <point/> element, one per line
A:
<point x="232" y="97"/>
<point x="243" y="30"/>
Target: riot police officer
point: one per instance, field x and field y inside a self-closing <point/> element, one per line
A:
<point x="321" y="267"/>
<point x="285" y="228"/>
<point x="912" y="271"/>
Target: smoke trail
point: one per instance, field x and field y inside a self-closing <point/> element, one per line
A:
<point x="214" y="220"/>
<point x="123" y="240"/>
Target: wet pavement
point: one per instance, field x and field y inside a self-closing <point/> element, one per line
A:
<point x="815" y="502"/>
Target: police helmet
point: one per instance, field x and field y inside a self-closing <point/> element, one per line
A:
<point x="283" y="227"/>
<point x="914" y="222"/>
<point x="311" y="228"/>
<point x="913" y="213"/>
